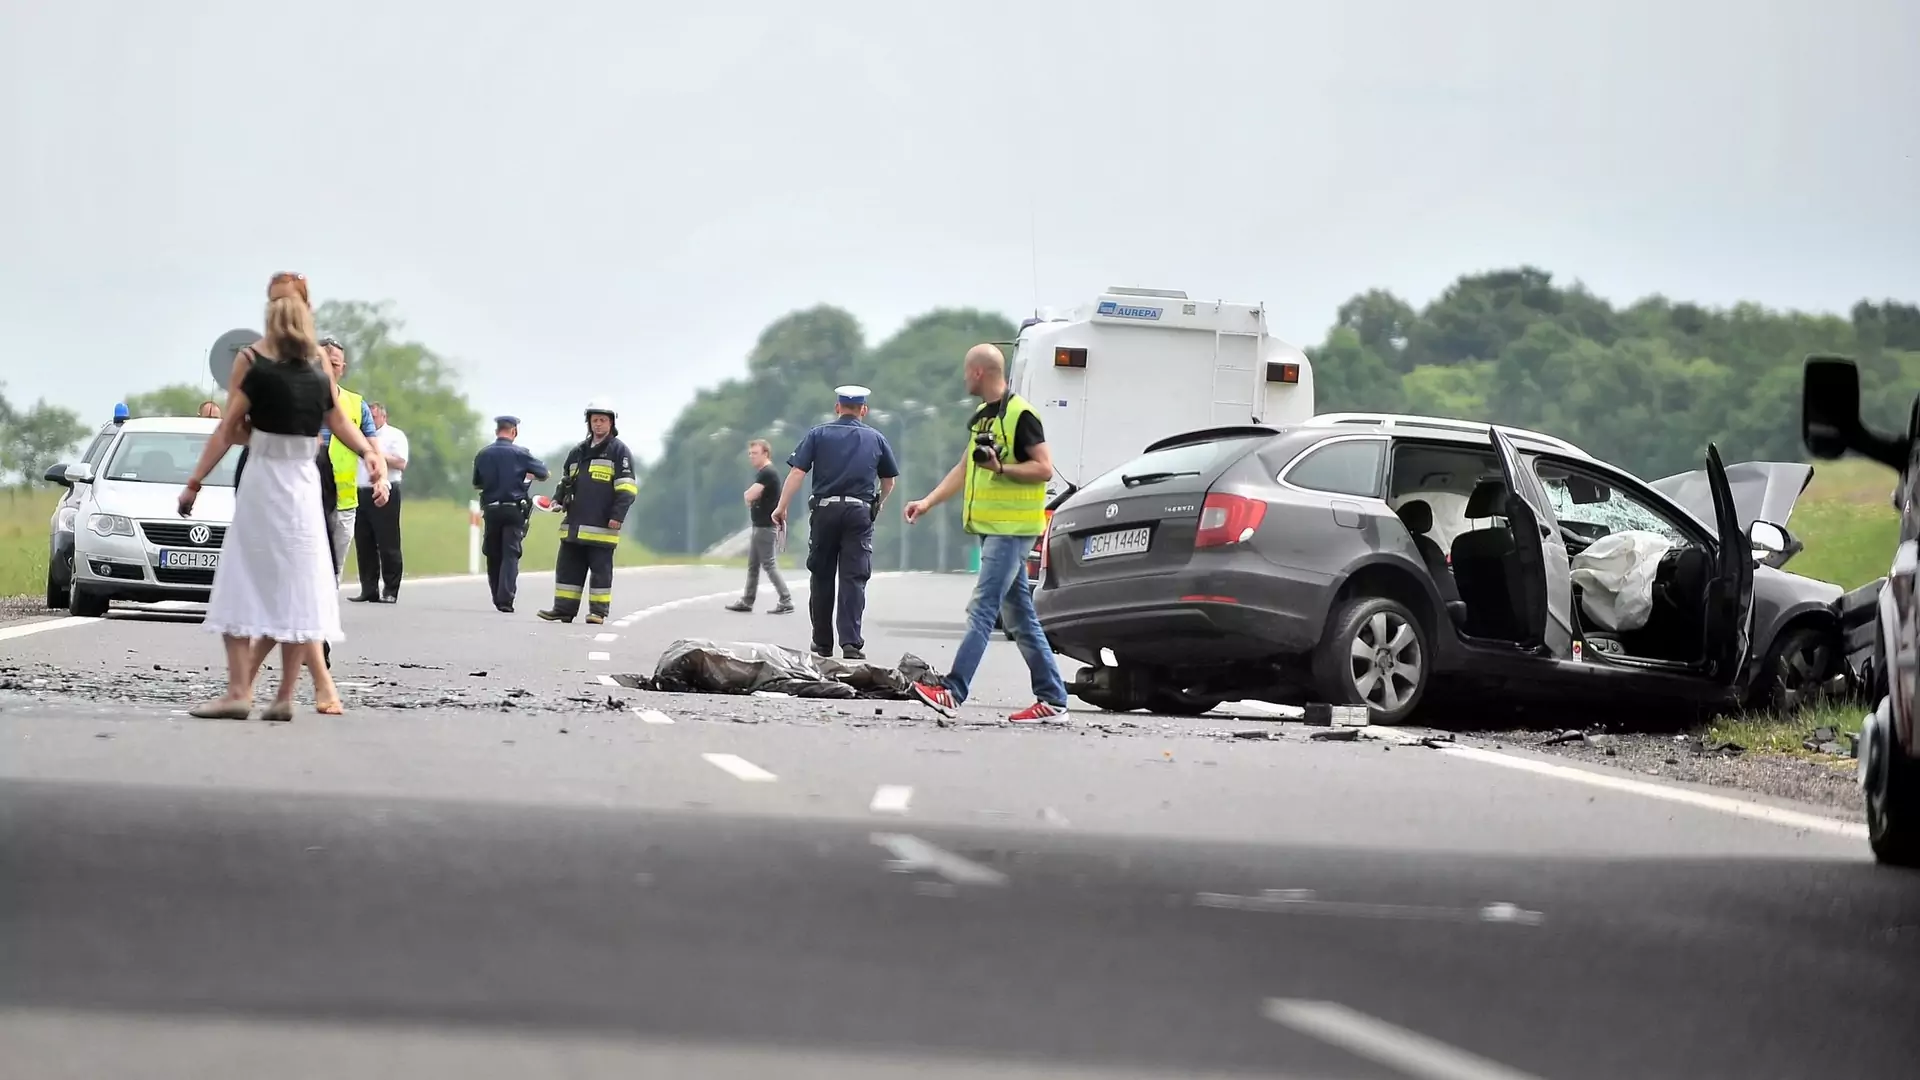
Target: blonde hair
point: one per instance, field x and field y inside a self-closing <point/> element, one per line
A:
<point x="761" y="445"/>
<point x="290" y="334"/>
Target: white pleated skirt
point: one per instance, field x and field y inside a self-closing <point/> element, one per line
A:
<point x="276" y="564"/>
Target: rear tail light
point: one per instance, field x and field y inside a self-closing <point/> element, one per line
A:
<point x="1228" y="519"/>
<point x="1039" y="557"/>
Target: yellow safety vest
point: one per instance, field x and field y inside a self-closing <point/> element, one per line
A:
<point x="997" y="505"/>
<point x="346" y="464"/>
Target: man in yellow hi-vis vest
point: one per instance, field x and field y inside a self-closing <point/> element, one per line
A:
<point x="1003" y="475"/>
<point x="341" y="461"/>
<point x="597" y="488"/>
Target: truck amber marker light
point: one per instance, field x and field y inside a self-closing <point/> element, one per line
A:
<point x="1283" y="373"/>
<point x="1066" y="357"/>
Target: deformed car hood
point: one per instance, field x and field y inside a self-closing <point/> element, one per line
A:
<point x="1762" y="490"/>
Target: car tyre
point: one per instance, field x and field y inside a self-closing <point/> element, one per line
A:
<point x="59" y="595"/>
<point x="1893" y="803"/>
<point x="86" y="605"/>
<point x="1794" y="672"/>
<point x="1375" y="653"/>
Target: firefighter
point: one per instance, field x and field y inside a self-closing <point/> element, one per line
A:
<point x="597" y="488"/>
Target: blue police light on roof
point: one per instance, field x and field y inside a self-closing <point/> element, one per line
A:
<point x="120" y="412"/>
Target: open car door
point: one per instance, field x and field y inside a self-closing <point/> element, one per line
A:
<point x="1729" y="612"/>
<point x="1543" y="589"/>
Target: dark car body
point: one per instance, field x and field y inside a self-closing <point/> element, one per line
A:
<point x="1889" y="753"/>
<point x="1232" y="563"/>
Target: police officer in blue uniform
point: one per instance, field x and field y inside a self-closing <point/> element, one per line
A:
<point x="502" y="472"/>
<point x="853" y="473"/>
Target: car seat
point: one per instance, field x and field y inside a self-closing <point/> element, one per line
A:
<point x="156" y="466"/>
<point x="1482" y="562"/>
<point x="1417" y="516"/>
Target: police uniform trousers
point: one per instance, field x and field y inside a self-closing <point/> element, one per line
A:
<point x="839" y="552"/>
<point x="501" y="545"/>
<point x="583" y="567"/>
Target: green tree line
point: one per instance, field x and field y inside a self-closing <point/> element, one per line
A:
<point x="1646" y="385"/>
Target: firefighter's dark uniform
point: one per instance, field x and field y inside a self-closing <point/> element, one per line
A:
<point x="500" y="472"/>
<point x="600" y="488"/>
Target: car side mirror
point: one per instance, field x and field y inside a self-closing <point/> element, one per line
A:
<point x="1830" y="406"/>
<point x="57" y="474"/>
<point x="1772" y="544"/>
<point x="79" y="473"/>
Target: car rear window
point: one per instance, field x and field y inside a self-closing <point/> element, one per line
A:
<point x="166" y="457"/>
<point x="1191" y="459"/>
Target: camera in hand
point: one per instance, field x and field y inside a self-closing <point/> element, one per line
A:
<point x="982" y="447"/>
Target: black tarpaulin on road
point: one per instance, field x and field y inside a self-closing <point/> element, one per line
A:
<point x="702" y="666"/>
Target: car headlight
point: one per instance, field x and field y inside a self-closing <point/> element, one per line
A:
<point x="111" y="525"/>
<point x="63" y="521"/>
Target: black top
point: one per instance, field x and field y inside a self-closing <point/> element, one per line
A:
<point x="769" y="500"/>
<point x="1027" y="434"/>
<point x="500" y="471"/>
<point x="287" y="397"/>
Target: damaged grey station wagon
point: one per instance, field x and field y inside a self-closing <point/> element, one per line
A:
<point x="1399" y="562"/>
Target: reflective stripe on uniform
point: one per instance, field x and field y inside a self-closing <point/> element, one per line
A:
<point x="601" y="597"/>
<point x="997" y="506"/>
<point x="628" y="486"/>
<point x="596" y="534"/>
<point x="601" y="471"/>
<point x="565" y="592"/>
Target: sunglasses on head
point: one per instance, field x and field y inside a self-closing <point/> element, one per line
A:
<point x="332" y="343"/>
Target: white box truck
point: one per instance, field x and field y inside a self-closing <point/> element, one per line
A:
<point x="1137" y="365"/>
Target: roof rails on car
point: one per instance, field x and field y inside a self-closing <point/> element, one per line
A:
<point x="1403" y="422"/>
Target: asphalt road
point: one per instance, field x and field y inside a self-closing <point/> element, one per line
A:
<point x="497" y="865"/>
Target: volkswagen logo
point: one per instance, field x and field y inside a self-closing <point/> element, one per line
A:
<point x="1113" y="510"/>
<point x="199" y="534"/>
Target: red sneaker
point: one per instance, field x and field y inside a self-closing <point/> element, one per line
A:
<point x="1040" y="713"/>
<point x="938" y="698"/>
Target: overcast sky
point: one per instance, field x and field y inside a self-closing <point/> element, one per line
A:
<point x="579" y="198"/>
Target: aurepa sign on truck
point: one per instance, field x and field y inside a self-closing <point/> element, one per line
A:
<point x="1138" y="365"/>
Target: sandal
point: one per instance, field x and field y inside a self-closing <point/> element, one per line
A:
<point x="279" y="712"/>
<point x="328" y="708"/>
<point x="222" y="709"/>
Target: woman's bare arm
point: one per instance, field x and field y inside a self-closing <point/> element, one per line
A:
<point x="229" y="432"/>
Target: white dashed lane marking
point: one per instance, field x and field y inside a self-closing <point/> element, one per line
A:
<point x="914" y="855"/>
<point x="891" y="799"/>
<point x="606" y="637"/>
<point x="652" y="716"/>
<point x="1376" y="1040"/>
<point x="598" y="656"/>
<point x="608" y="680"/>
<point x="739" y="767"/>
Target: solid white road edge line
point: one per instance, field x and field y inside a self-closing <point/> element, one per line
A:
<point x="1304" y="902"/>
<point x="29" y="629"/>
<point x="910" y="853"/>
<point x="1754" y="811"/>
<point x="468" y="579"/>
<point x="891" y="799"/>
<point x="739" y="767"/>
<point x="652" y="716"/>
<point x="708" y="598"/>
<point x="1378" y="1041"/>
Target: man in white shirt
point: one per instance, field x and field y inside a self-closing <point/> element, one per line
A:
<point x="376" y="531"/>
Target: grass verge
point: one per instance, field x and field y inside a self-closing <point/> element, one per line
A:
<point x="1769" y="733"/>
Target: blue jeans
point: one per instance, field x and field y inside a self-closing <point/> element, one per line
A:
<point x="1003" y="582"/>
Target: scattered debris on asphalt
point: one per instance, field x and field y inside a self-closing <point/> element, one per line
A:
<point x="703" y="666"/>
<point x="1336" y="735"/>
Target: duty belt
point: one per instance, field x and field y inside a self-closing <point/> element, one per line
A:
<point x="831" y="499"/>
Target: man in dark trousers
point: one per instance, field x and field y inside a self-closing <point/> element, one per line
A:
<point x="376" y="529"/>
<point x="597" y="488"/>
<point x="853" y="473"/>
<point x="502" y="472"/>
<point x="762" y="496"/>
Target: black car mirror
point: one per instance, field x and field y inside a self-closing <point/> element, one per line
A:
<point x="1830" y="406"/>
<point x="57" y="474"/>
<point x="1772" y="544"/>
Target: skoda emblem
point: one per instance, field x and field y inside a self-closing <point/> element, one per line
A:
<point x="199" y="534"/>
<point x="1113" y="510"/>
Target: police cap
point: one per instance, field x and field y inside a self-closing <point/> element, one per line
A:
<point x="851" y="394"/>
<point x="505" y="422"/>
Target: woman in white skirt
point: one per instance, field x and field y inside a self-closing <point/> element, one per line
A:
<point x="275" y="583"/>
